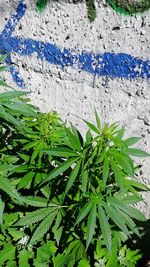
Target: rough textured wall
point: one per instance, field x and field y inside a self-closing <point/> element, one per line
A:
<point x="71" y="66"/>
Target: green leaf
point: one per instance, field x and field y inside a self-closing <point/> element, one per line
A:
<point x="131" y="141"/>
<point x="60" y="152"/>
<point x="83" y="263"/>
<point x="131" y="211"/>
<point x="7" y="187"/>
<point x="35" y="216"/>
<point x="117" y="218"/>
<point x="91" y="225"/>
<point x="72" y="177"/>
<point x="24" y="256"/>
<point x="3" y="57"/>
<point x="105" y="228"/>
<point x="105" y="170"/>
<point x="92" y="127"/>
<point x="97" y="119"/>
<point x="3" y="68"/>
<point x="41" y="5"/>
<point x="26" y="180"/>
<point x="8" y="252"/>
<point x="85" y="179"/>
<point x="74" y="141"/>
<point x="118" y="174"/>
<point x="84" y="211"/>
<point x="12" y="94"/>
<point x="60" y="169"/>
<point x="124" y="161"/>
<point x="137" y="184"/>
<point x="91" y="10"/>
<point x="43" y="227"/>
<point x="137" y="152"/>
<point x="130" y="223"/>
<point x="36" y="201"/>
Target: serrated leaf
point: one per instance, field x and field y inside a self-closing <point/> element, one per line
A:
<point x="117" y="218"/>
<point x="130" y="223"/>
<point x="35" y="216"/>
<point x="60" y="169"/>
<point x="91" y="225"/>
<point x="26" y="180"/>
<point x="118" y="175"/>
<point x="105" y="170"/>
<point x="36" y="201"/>
<point x="43" y="227"/>
<point x="8" y="252"/>
<point x="85" y="179"/>
<point x="105" y="228"/>
<point x="131" y="211"/>
<point x="60" y="152"/>
<point x="24" y="256"/>
<point x="72" y="177"/>
<point x="7" y="187"/>
<point x="124" y="161"/>
<point x="84" y="211"/>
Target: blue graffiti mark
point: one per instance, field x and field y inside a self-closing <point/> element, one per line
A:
<point x="108" y="64"/>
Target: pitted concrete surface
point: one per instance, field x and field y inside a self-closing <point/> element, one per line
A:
<point x="74" y="93"/>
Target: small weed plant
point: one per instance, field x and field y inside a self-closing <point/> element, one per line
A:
<point x="65" y="200"/>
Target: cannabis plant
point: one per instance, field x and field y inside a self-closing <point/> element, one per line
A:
<point x="65" y="200"/>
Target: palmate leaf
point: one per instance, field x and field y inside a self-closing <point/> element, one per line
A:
<point x="43" y="227"/>
<point x="130" y="223"/>
<point x="131" y="211"/>
<point x="91" y="225"/>
<point x="73" y="176"/>
<point x="105" y="228"/>
<point x="6" y="186"/>
<point x="35" y="216"/>
<point x="58" y="170"/>
<point x="117" y="218"/>
<point x="124" y="161"/>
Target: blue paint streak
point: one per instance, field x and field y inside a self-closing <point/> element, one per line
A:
<point x="108" y="64"/>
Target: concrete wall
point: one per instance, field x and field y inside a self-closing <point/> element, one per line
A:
<point x="71" y="66"/>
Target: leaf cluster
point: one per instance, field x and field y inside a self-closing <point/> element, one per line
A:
<point x="65" y="200"/>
